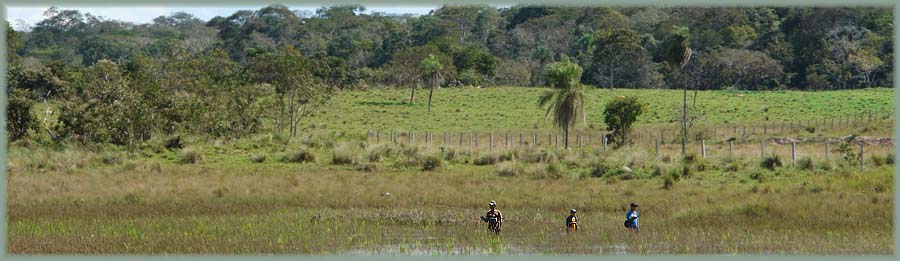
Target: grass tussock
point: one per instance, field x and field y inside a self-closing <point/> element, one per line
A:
<point x="771" y="162"/>
<point x="190" y="155"/>
<point x="301" y="155"/>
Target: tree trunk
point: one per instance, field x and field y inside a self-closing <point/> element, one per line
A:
<point x="412" y="97"/>
<point x="431" y="92"/>
<point x="684" y="113"/>
<point x="610" y="75"/>
<point x="566" y="138"/>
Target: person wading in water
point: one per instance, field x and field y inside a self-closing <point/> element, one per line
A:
<point x="631" y="221"/>
<point x="493" y="218"/>
<point x="572" y="222"/>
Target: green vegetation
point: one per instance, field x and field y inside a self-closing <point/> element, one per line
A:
<point x="410" y="200"/>
<point x="247" y="134"/>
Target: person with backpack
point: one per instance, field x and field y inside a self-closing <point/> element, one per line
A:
<point x="631" y="219"/>
<point x="572" y="222"/>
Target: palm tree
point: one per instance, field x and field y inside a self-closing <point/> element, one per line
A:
<point x="431" y="68"/>
<point x="678" y="53"/>
<point x="566" y="100"/>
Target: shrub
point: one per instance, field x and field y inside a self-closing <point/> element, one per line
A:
<point x="554" y="170"/>
<point x="173" y="143"/>
<point x="686" y="171"/>
<point x="619" y="115"/>
<point x="507" y="155"/>
<point x="598" y="169"/>
<point x="509" y="169"/>
<point x="432" y="162"/>
<point x="258" y="158"/>
<point x="536" y="171"/>
<point x="378" y="152"/>
<point x="302" y="155"/>
<point x="344" y="154"/>
<point x="689" y="158"/>
<point x="487" y="159"/>
<point x="669" y="182"/>
<point x="19" y="118"/>
<point x="760" y="176"/>
<point x="190" y="155"/>
<point x="881" y="160"/>
<point x="110" y="158"/>
<point x="732" y="164"/>
<point x="771" y="162"/>
<point x="537" y="155"/>
<point x="366" y="167"/>
<point x="657" y="171"/>
<point x="805" y="163"/>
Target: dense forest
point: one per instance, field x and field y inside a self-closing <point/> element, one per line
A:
<point x="121" y="83"/>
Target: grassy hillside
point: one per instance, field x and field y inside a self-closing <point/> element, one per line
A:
<point x="514" y="108"/>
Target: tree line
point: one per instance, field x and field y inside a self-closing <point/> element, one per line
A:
<point x="120" y="82"/>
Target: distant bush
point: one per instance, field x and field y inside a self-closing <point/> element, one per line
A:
<point x="658" y="171"/>
<point x="771" y="162"/>
<point x="879" y="160"/>
<point x="344" y="154"/>
<point x="380" y="151"/>
<point x="190" y="155"/>
<point x="173" y="143"/>
<point x="669" y="182"/>
<point x="366" y="167"/>
<point x="302" y="155"/>
<point x="487" y="159"/>
<point x="432" y="162"/>
<point x="805" y="163"/>
<point x="760" y="176"/>
<point x="258" y="158"/>
<point x="598" y="168"/>
<point x="110" y="158"/>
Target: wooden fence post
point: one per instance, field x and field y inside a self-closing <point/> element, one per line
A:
<point x="826" y="150"/>
<point x="656" y="141"/>
<point x="605" y="140"/>
<point x="533" y="140"/>
<point x="556" y="137"/>
<point x="703" y="148"/>
<point x="460" y="139"/>
<point x="412" y="137"/>
<point x="793" y="154"/>
<point x="731" y="148"/>
<point x="476" y="140"/>
<point x="377" y="136"/>
<point x="492" y="141"/>
<point x="507" y="140"/>
<point x="520" y="139"/>
<point x="580" y="151"/>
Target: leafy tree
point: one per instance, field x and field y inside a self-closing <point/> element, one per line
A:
<point x="295" y="85"/>
<point x="613" y="47"/>
<point x="619" y="114"/>
<point x="19" y="119"/>
<point x="101" y="108"/>
<point x="566" y="99"/>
